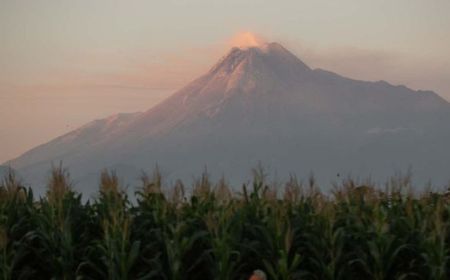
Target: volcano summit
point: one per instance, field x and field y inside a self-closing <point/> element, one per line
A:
<point x="260" y="103"/>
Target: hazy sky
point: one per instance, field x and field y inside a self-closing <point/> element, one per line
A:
<point x="64" y="63"/>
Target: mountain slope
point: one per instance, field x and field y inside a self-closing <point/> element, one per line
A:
<point x="263" y="104"/>
<point x="3" y="171"/>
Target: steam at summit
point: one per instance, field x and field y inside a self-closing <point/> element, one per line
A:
<point x="245" y="40"/>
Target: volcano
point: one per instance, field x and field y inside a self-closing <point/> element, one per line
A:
<point x="262" y="104"/>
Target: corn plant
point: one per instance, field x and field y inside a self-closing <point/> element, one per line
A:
<point x="210" y="230"/>
<point x="16" y="209"/>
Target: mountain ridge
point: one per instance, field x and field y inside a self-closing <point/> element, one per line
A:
<point x="261" y="104"/>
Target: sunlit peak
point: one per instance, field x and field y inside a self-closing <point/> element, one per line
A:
<point x="245" y="40"/>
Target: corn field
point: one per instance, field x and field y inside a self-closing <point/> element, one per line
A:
<point x="290" y="231"/>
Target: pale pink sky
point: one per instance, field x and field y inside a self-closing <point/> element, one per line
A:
<point x="64" y="63"/>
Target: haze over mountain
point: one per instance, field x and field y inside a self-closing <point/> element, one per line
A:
<point x="260" y="103"/>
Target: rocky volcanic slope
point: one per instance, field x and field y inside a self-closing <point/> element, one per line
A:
<point x="262" y="104"/>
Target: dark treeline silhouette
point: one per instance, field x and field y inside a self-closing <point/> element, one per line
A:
<point x="357" y="231"/>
